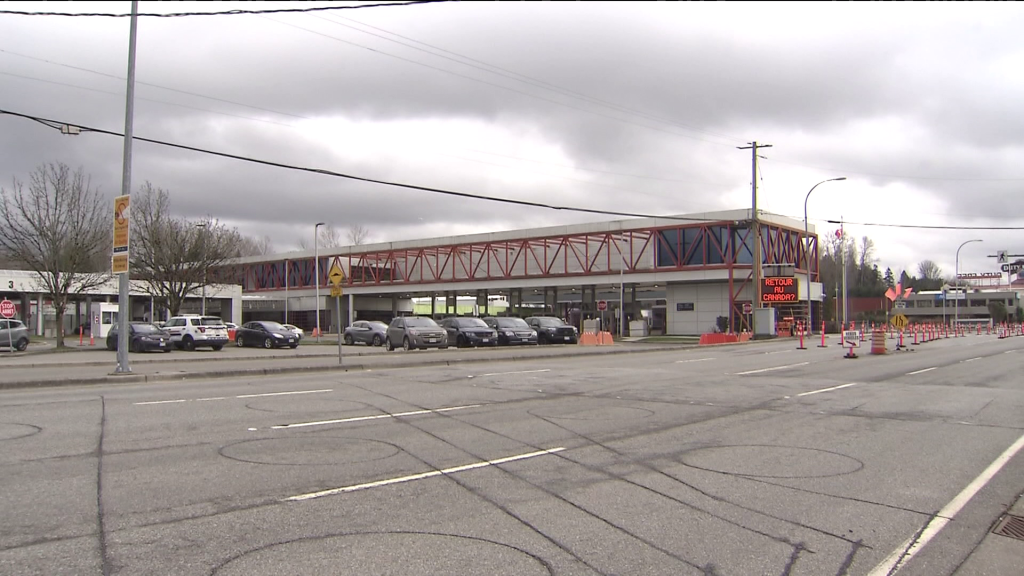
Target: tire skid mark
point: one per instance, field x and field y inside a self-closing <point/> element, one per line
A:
<point x="105" y="561"/>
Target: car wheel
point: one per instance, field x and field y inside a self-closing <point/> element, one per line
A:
<point x="460" y="342"/>
<point x="22" y="345"/>
<point x="293" y="346"/>
<point x="268" y="343"/>
<point x="135" y="346"/>
<point x="188" y="343"/>
<point x="388" y="345"/>
<point x="406" y="345"/>
<point x="444" y="347"/>
<point x="217" y="347"/>
<point x="111" y="345"/>
<point x="239" y="342"/>
<point x="348" y="340"/>
<point x="376" y="340"/>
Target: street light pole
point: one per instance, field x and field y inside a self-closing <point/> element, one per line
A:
<point x="956" y="274"/>
<point x="807" y="251"/>
<point x="202" y="249"/>
<point x="316" y="274"/>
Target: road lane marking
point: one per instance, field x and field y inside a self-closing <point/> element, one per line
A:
<point x="779" y="352"/>
<point x="507" y="373"/>
<point x="421" y="476"/>
<point x="374" y="417"/>
<point x="914" y="544"/>
<point x="773" y="368"/>
<point x="694" y="360"/>
<point x="828" y="389"/>
<point x="283" y="393"/>
<point x="227" y="397"/>
<point x="971" y="359"/>
<point x="922" y="371"/>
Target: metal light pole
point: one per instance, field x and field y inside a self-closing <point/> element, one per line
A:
<point x="123" y="285"/>
<point x="202" y="249"/>
<point x="807" y="251"/>
<point x="287" y="265"/>
<point x="956" y="274"/>
<point x="316" y="274"/>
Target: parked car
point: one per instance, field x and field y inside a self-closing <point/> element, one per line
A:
<point x="266" y="334"/>
<point x="298" y="331"/>
<point x="412" y="332"/>
<point x="512" y="331"/>
<point x="464" y="331"/>
<point x="13" y="333"/>
<point x="366" y="331"/>
<point x="142" y="337"/>
<point x="191" y="331"/>
<point x="551" y="330"/>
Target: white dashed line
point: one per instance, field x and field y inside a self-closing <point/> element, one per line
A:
<point x="519" y="372"/>
<point x="227" y="397"/>
<point x="772" y="369"/>
<point x="971" y="359"/>
<point x="374" y="417"/>
<point x="694" y="360"/>
<point x="431" y="474"/>
<point x="922" y="371"/>
<point x="828" y="389"/>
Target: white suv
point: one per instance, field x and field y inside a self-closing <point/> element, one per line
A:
<point x="191" y="331"/>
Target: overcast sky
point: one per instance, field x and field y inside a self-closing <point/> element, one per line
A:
<point x="638" y="107"/>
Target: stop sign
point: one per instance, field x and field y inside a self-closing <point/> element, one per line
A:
<point x="7" y="309"/>
<point x="747" y="308"/>
<point x="602" y="305"/>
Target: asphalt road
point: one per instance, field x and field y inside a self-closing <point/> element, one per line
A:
<point x="734" y="460"/>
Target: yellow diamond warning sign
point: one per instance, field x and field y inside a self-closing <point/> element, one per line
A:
<point x="899" y="321"/>
<point x="335" y="274"/>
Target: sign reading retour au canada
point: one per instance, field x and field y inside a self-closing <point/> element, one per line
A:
<point x="779" y="289"/>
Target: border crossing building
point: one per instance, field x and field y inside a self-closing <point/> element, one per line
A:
<point x="678" y="274"/>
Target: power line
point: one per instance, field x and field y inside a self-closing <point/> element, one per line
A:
<point x="519" y="77"/>
<point x="57" y="123"/>
<point x="222" y="13"/>
<point x="493" y="84"/>
<point x="898" y="176"/>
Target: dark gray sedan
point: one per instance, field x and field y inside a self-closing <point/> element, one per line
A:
<point x="142" y="337"/>
<point x="512" y="331"/>
<point x="412" y="332"/>
<point x="366" y="331"/>
<point x="265" y="334"/>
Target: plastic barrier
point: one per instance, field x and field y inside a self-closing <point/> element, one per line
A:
<point x="878" y="342"/>
<point x="231" y="334"/>
<point x="723" y="338"/>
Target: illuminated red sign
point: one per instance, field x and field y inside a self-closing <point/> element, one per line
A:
<point x="776" y="289"/>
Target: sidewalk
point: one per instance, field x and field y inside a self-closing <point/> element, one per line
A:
<point x="42" y="365"/>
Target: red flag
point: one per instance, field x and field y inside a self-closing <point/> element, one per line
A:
<point x="839" y="233"/>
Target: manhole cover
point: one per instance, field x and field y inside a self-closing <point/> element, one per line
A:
<point x="1010" y="525"/>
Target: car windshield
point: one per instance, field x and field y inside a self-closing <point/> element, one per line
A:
<point x="472" y="323"/>
<point x="210" y="321"/>
<point x="550" y="322"/>
<point x="380" y="325"/>
<point x="512" y="323"/>
<point x="145" y="329"/>
<point x="420" y="323"/>
<point x="274" y="326"/>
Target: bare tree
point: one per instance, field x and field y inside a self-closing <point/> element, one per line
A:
<point x="172" y="256"/>
<point x="327" y="237"/>
<point x="358" y="235"/>
<point x="58" y="228"/>
<point x="252" y="246"/>
<point x="929" y="270"/>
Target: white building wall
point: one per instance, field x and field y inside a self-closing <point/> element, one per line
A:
<point x="709" y="302"/>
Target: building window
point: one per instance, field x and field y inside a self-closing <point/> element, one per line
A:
<point x="978" y="303"/>
<point x="923" y="304"/>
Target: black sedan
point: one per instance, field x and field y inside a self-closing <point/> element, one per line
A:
<point x="512" y="331"/>
<point x="469" y="332"/>
<point x="142" y="337"/>
<point x="265" y="334"/>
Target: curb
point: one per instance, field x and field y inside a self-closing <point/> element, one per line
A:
<point x="274" y="371"/>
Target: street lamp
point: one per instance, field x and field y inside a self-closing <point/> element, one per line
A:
<point x="202" y="241"/>
<point x="807" y="249"/>
<point x="956" y="274"/>
<point x="316" y="274"/>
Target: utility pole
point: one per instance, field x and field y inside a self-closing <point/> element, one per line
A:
<point x="123" y="282"/>
<point x="755" y="222"/>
